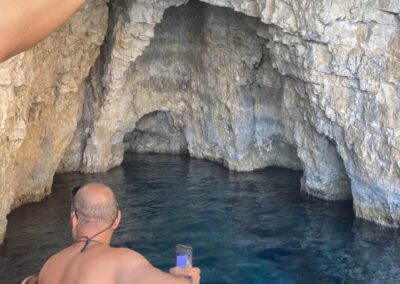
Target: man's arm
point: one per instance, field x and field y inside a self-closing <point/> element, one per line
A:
<point x="138" y="270"/>
<point x="23" y="23"/>
<point x="148" y="274"/>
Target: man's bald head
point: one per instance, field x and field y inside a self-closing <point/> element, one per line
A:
<point x="95" y="202"/>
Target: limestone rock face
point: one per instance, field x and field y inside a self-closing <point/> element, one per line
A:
<point x="305" y="84"/>
<point x="310" y="85"/>
<point x="41" y="94"/>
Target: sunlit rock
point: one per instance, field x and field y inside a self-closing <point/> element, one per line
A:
<point x="310" y="85"/>
<point x="41" y="95"/>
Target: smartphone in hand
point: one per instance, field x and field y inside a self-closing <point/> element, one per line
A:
<point x="184" y="256"/>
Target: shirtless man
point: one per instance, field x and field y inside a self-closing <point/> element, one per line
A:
<point x="90" y="259"/>
<point x="23" y="23"/>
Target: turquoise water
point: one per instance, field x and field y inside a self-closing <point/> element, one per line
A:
<point x="244" y="227"/>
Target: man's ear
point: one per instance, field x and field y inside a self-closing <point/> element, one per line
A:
<point x="117" y="220"/>
<point x="74" y="225"/>
<point x="74" y="219"/>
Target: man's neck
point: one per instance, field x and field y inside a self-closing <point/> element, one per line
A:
<point x="90" y="232"/>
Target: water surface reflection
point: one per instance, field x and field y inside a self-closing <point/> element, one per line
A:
<point x="245" y="227"/>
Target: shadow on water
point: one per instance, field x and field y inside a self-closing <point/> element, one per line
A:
<point x="245" y="227"/>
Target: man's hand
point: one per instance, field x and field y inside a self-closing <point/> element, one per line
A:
<point x="24" y="23"/>
<point x="192" y="273"/>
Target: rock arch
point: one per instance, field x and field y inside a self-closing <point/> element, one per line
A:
<point x="158" y="132"/>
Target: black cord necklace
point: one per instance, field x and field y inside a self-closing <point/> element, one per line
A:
<point x="87" y="240"/>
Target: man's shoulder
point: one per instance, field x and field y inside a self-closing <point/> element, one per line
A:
<point x="129" y="263"/>
<point x="48" y="265"/>
<point x="57" y="255"/>
<point x="126" y="254"/>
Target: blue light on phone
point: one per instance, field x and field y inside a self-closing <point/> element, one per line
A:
<point x="181" y="261"/>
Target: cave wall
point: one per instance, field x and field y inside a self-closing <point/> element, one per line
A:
<point x="206" y="65"/>
<point x="41" y="93"/>
<point x="312" y="85"/>
<point x="333" y="68"/>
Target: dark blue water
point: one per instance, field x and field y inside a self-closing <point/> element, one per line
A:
<point x="244" y="227"/>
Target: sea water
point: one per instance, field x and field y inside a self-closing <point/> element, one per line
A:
<point x="253" y="227"/>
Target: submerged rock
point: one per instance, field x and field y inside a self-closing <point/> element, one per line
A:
<point x="305" y="85"/>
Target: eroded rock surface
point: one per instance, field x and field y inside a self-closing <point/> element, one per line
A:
<point x="307" y="84"/>
<point x="311" y="85"/>
<point x="41" y="95"/>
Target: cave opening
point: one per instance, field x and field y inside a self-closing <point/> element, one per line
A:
<point x="158" y="132"/>
<point x="210" y="66"/>
<point x="210" y="74"/>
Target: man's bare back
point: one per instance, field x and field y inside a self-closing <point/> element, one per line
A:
<point x="90" y="259"/>
<point x="99" y="264"/>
